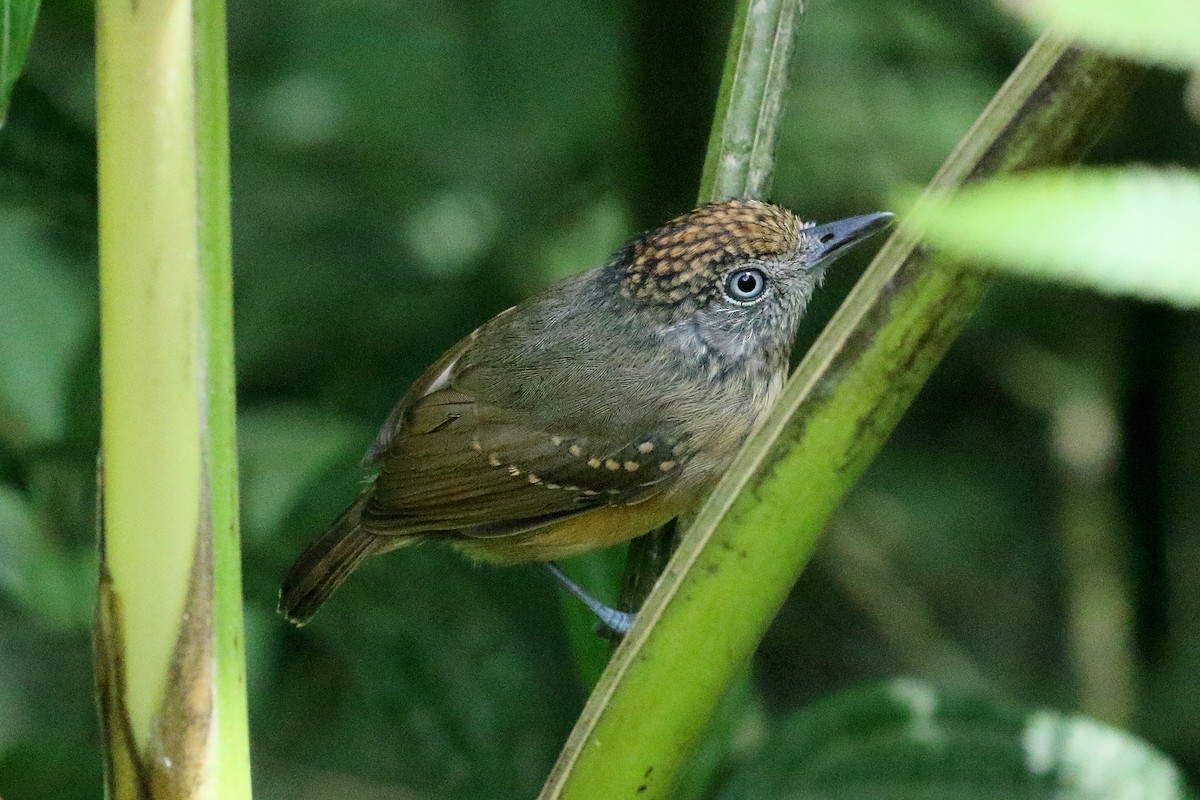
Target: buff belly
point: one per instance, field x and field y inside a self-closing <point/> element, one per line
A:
<point x="590" y="530"/>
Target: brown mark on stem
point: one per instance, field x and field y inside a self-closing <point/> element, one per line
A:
<point x="171" y="765"/>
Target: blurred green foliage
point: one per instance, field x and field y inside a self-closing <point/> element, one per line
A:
<point x="906" y="739"/>
<point x="1163" y="32"/>
<point x="1116" y="231"/>
<point x="17" y="18"/>
<point x="403" y="171"/>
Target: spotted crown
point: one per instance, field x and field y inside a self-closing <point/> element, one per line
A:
<point x="678" y="263"/>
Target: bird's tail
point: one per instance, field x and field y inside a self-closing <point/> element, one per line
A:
<point x="328" y="561"/>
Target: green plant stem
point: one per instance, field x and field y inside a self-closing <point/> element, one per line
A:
<point x="215" y="237"/>
<point x="741" y="148"/>
<point x="753" y="536"/>
<point x="739" y="162"/>
<point x="169" y="663"/>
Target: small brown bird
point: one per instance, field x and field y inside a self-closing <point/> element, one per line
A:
<point x="595" y="411"/>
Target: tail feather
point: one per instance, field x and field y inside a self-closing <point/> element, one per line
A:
<point x="326" y="563"/>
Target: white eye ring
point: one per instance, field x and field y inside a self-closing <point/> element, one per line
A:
<point x="745" y="285"/>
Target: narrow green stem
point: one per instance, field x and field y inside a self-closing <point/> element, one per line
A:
<point x="741" y="147"/>
<point x="739" y="163"/>
<point x="232" y="738"/>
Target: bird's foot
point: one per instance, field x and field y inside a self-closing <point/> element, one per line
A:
<point x="611" y="622"/>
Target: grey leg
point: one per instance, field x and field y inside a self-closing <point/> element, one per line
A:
<point x="619" y="622"/>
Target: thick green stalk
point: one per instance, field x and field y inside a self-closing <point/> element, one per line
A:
<point x="751" y="539"/>
<point x="169" y="663"/>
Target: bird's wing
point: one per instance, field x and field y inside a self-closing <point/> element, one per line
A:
<point x="455" y="461"/>
<point x="432" y="379"/>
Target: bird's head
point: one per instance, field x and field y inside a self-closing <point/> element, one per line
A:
<point x="734" y="277"/>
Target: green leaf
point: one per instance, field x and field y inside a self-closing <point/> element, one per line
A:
<point x="45" y="318"/>
<point x="906" y="739"/>
<point x="1125" y="232"/>
<point x="1164" y="32"/>
<point x="421" y="669"/>
<point x="16" y="29"/>
<point x="281" y="449"/>
<point x="52" y="585"/>
<point x="451" y="679"/>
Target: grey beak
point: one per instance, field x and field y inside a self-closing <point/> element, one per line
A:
<point x="835" y="238"/>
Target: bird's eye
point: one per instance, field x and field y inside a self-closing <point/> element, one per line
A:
<point x="745" y="285"/>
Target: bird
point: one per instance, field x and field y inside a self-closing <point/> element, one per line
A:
<point x="595" y="411"/>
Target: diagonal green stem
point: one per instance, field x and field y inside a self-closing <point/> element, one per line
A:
<point x="700" y="625"/>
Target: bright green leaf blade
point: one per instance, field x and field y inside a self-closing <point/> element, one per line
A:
<point x="16" y="29"/>
<point x="906" y="740"/>
<point x="1128" y="232"/>
<point x="1164" y="32"/>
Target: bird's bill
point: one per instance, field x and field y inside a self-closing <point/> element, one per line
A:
<point x="835" y="238"/>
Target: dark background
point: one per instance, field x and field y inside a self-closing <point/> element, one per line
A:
<point x="402" y="171"/>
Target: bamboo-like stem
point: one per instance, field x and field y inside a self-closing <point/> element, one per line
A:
<point x="169" y="663"/>
<point x="737" y="562"/>
<point x="741" y="148"/>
